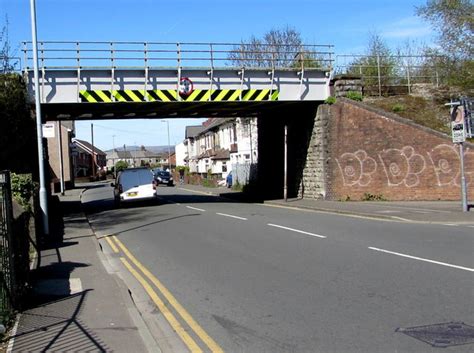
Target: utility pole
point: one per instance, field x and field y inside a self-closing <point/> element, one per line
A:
<point x="93" y="151"/>
<point x="43" y="196"/>
<point x="285" y="168"/>
<point x="169" y="148"/>
<point x="60" y="148"/>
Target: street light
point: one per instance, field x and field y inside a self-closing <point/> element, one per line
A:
<point x="43" y="196"/>
<point x="169" y="149"/>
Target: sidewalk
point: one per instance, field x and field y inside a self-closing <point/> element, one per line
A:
<point x="437" y="212"/>
<point x="77" y="304"/>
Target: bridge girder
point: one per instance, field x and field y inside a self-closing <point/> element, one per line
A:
<point x="160" y="110"/>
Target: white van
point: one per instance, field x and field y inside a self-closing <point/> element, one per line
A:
<point x="134" y="184"/>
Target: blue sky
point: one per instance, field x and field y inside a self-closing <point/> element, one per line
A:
<point x="346" y="24"/>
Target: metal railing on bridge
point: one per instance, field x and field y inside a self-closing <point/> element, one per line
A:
<point x="67" y="54"/>
<point x="386" y="74"/>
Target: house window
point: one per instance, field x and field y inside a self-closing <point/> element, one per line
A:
<point x="224" y="167"/>
<point x="247" y="156"/>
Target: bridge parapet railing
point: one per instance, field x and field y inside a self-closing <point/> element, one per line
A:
<point x="126" y="55"/>
<point x="383" y="74"/>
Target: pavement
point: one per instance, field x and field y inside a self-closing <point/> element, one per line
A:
<point x="80" y="303"/>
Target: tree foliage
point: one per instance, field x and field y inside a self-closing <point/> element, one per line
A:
<point x="377" y="65"/>
<point x="454" y="22"/>
<point x="120" y="165"/>
<point x="17" y="127"/>
<point x="277" y="48"/>
<point x="7" y="62"/>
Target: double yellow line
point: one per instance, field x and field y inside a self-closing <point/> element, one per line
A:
<point x="116" y="245"/>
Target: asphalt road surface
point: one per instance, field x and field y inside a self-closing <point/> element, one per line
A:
<point x="255" y="278"/>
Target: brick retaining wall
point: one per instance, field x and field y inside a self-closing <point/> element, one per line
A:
<point x="372" y="152"/>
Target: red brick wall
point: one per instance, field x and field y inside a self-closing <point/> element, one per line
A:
<point x="377" y="153"/>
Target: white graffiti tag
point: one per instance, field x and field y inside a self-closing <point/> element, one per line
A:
<point x="447" y="165"/>
<point x="356" y="168"/>
<point x="402" y="166"/>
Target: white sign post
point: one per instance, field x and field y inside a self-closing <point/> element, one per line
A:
<point x="48" y="130"/>
<point x="460" y="129"/>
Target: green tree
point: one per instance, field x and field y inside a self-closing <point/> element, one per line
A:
<point x="17" y="127"/>
<point x="7" y="61"/>
<point x="377" y="66"/>
<point x="453" y="20"/>
<point x="120" y="165"/>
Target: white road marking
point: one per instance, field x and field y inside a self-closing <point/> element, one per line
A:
<point x="297" y="230"/>
<point x="425" y="260"/>
<point x="231" y="216"/>
<point x="450" y="224"/>
<point x="195" y="208"/>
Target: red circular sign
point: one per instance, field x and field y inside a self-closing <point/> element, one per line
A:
<point x="185" y="87"/>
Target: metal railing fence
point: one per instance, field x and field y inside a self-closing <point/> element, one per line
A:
<point x="67" y="54"/>
<point x="7" y="278"/>
<point x="382" y="73"/>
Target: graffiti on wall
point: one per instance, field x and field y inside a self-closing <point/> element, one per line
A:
<point x="405" y="167"/>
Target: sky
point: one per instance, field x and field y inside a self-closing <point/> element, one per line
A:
<point x="346" y="24"/>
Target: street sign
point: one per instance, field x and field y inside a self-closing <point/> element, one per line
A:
<point x="462" y="126"/>
<point x="458" y="132"/>
<point x="462" y="119"/>
<point x="48" y="130"/>
<point x="185" y="87"/>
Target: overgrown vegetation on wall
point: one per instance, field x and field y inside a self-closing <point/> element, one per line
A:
<point x="17" y="127"/>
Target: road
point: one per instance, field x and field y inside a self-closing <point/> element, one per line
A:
<point x="253" y="278"/>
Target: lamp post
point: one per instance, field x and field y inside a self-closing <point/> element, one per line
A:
<point x="43" y="196"/>
<point x="169" y="149"/>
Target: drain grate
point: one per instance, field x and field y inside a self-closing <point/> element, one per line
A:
<point x="442" y="335"/>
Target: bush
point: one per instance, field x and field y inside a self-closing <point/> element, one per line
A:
<point x="18" y="129"/>
<point x="398" y="108"/>
<point x="355" y="96"/>
<point x="120" y="165"/>
<point x="23" y="189"/>
<point x="208" y="183"/>
<point x="372" y="197"/>
<point x="330" y="100"/>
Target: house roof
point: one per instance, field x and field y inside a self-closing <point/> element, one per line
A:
<point x="221" y="154"/>
<point x="193" y="131"/>
<point x="87" y="147"/>
<point x="123" y="154"/>
<point x="216" y="122"/>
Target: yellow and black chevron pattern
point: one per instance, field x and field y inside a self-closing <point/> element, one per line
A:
<point x="169" y="95"/>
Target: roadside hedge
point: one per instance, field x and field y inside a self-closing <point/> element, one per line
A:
<point x="17" y="126"/>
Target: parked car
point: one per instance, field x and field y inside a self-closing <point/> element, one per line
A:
<point x="134" y="184"/>
<point x="228" y="180"/>
<point x="163" y="177"/>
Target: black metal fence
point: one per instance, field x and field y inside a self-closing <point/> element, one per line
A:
<point x="7" y="277"/>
